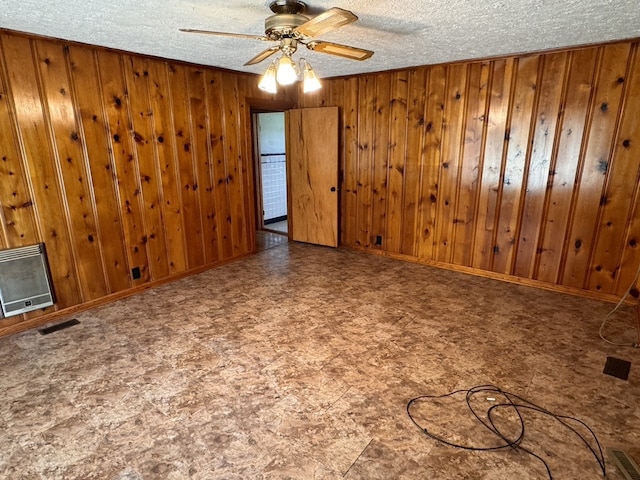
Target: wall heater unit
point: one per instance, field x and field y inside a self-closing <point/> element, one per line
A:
<point x="25" y="282"/>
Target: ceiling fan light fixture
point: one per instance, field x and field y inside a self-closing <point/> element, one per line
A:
<point x="268" y="80"/>
<point x="310" y="82"/>
<point x="290" y="27"/>
<point x="286" y="74"/>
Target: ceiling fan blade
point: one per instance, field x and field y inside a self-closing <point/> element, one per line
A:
<point x="226" y="34"/>
<point x="263" y="55"/>
<point x="326" y="22"/>
<point x="345" y="51"/>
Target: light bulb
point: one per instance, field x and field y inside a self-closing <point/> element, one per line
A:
<point x="310" y="82"/>
<point x="268" y="80"/>
<point x="286" y="71"/>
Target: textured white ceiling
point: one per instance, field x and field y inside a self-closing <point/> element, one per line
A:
<point x="402" y="32"/>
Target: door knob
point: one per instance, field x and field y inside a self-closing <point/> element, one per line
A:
<point x="333" y="189"/>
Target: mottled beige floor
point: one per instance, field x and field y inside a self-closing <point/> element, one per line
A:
<point x="298" y="362"/>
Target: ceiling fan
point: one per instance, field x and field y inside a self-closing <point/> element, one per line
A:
<point x="290" y="27"/>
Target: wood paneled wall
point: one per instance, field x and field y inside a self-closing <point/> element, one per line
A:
<point x="118" y="161"/>
<point x="525" y="168"/>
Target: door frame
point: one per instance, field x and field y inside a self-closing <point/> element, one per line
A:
<point x="257" y="168"/>
<point x="253" y="106"/>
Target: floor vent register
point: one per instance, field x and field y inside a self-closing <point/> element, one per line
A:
<point x="625" y="464"/>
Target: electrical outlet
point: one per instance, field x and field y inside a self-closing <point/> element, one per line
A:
<point x="135" y="273"/>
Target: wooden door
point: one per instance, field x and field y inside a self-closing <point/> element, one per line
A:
<point x="312" y="168"/>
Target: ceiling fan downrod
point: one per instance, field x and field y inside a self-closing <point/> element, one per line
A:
<point x="287" y="6"/>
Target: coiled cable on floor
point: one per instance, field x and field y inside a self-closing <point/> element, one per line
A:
<point x="606" y="318"/>
<point x="517" y="404"/>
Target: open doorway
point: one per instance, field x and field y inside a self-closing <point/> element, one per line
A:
<point x="273" y="170"/>
<point x="271" y="178"/>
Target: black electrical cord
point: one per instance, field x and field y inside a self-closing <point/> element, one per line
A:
<point x="517" y="403"/>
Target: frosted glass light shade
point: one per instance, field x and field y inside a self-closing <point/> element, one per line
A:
<point x="286" y="71"/>
<point x="268" y="80"/>
<point x="310" y="82"/>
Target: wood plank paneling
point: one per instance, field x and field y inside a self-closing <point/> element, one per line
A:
<point x="380" y="147"/>
<point x="40" y="165"/>
<point x="428" y="204"/>
<point x="618" y="199"/>
<point x="165" y="151"/>
<point x="110" y="159"/>
<point x="150" y="195"/>
<point x="234" y="159"/>
<point x="595" y="163"/>
<point x="191" y="209"/>
<point x="515" y="164"/>
<point x="631" y="254"/>
<point x="200" y="144"/>
<point x="349" y="180"/>
<point x="543" y="144"/>
<point x="366" y="140"/>
<point x="452" y="131"/>
<point x="520" y="167"/>
<point x="565" y="162"/>
<point x="413" y="160"/>
<point x="219" y="218"/>
<point x="115" y="99"/>
<point x="77" y="200"/>
<point x="17" y="214"/>
<point x="472" y="162"/>
<point x="99" y="164"/>
<point x="494" y="151"/>
<point x="397" y="157"/>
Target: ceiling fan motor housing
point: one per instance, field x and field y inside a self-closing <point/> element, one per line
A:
<point x="282" y="24"/>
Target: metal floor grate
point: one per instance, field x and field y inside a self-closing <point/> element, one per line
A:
<point x="625" y="464"/>
<point x="617" y="367"/>
<point x="59" y="326"/>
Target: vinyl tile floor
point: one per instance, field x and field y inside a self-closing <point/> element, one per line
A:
<point x="298" y="363"/>
<point x="280" y="227"/>
<point x="266" y="239"/>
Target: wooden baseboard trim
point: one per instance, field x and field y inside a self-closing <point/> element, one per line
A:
<point x="65" y="312"/>
<point x="606" y="297"/>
